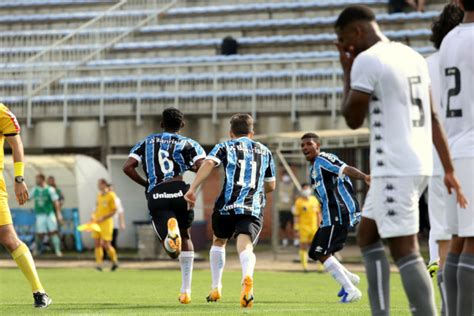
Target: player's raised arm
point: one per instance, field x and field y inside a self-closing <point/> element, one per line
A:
<point x="355" y="173"/>
<point x="440" y="142"/>
<point x="21" y="190"/>
<point x="270" y="182"/>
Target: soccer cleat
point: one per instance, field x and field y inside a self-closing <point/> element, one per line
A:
<point x="341" y="292"/>
<point x="214" y="296"/>
<point x="352" y="296"/>
<point x="433" y="267"/>
<point x="114" y="267"/>
<point x="173" y="239"/>
<point x="42" y="300"/>
<point x="98" y="268"/>
<point x="184" y="298"/>
<point x="246" y="296"/>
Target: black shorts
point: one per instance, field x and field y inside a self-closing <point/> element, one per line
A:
<point x="327" y="241"/>
<point x="228" y="226"/>
<point x="285" y="217"/>
<point x="167" y="201"/>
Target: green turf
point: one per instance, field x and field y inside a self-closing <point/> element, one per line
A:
<point x="146" y="292"/>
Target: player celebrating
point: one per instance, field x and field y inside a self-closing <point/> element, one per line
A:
<point x="249" y="176"/>
<point x="457" y="100"/>
<point x="340" y="210"/>
<point x="307" y="213"/>
<point x="391" y="82"/>
<point x="165" y="157"/>
<point x="9" y="130"/>
<point x="103" y="215"/>
<point x="451" y="16"/>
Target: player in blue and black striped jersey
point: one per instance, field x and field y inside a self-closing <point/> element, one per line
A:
<point x="165" y="157"/>
<point x="339" y="208"/>
<point x="249" y="176"/>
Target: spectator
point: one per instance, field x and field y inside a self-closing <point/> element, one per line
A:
<point x="229" y="46"/>
<point x="119" y="218"/>
<point x="52" y="183"/>
<point x="46" y="203"/>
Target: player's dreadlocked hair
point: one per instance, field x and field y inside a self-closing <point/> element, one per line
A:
<point x="354" y="13"/>
<point x="451" y="16"/>
<point x="313" y="136"/>
<point x="172" y="119"/>
<point x="241" y="124"/>
<point x="468" y="5"/>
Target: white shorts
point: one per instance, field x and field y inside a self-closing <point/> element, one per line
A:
<point x="437" y="193"/>
<point x="461" y="221"/>
<point x="46" y="223"/>
<point x="392" y="202"/>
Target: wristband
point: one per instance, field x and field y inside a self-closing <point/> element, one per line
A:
<point x="18" y="169"/>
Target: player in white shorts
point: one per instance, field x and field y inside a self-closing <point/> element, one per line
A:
<point x="451" y="16"/>
<point x="456" y="66"/>
<point x="391" y="82"/>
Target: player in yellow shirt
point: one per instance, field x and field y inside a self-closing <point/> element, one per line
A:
<point x="9" y="130"/>
<point x="307" y="213"/>
<point x="103" y="216"/>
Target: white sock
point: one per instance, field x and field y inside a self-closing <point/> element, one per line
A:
<point x="434" y="249"/>
<point x="217" y="260"/>
<point x="355" y="279"/>
<point x="186" y="260"/>
<point x="335" y="268"/>
<point x="247" y="260"/>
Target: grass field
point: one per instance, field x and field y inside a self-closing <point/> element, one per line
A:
<point x="146" y="292"/>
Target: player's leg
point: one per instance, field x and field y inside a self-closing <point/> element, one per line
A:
<point x="23" y="258"/>
<point x="304" y="246"/>
<point x="223" y="227"/>
<point x="41" y="230"/>
<point x="53" y="232"/>
<point x="450" y="272"/>
<point x="160" y="220"/>
<point x="111" y="252"/>
<point x="98" y="251"/>
<point x="465" y="275"/>
<point x="433" y="249"/>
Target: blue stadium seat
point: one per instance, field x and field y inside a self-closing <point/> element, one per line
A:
<point x="32" y="3"/>
<point x="24" y="223"/>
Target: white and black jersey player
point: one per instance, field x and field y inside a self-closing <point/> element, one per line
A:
<point x="390" y="81"/>
<point x="238" y="212"/>
<point x="456" y="72"/>
<point x="165" y="157"/>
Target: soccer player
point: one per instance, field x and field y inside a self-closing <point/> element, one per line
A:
<point x="307" y="213"/>
<point x="457" y="101"/>
<point x="48" y="214"/>
<point x="340" y="210"/>
<point x="103" y="216"/>
<point x="165" y="157"/>
<point x="390" y="81"/>
<point x="439" y="238"/>
<point x="249" y="176"/>
<point x="9" y="130"/>
<point x="119" y="218"/>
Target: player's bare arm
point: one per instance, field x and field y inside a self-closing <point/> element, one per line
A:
<point x="355" y="104"/>
<point x="269" y="186"/>
<point x="204" y="171"/>
<point x="21" y="190"/>
<point x="57" y="208"/>
<point x="129" y="168"/>
<point x="355" y="173"/>
<point x="197" y="165"/>
<point x="441" y="144"/>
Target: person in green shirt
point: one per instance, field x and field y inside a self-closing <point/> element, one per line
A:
<point x="48" y="213"/>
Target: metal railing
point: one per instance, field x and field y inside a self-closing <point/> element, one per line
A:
<point x="198" y="88"/>
<point x="40" y="77"/>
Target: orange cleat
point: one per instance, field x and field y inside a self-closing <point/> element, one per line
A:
<point x="184" y="298"/>
<point x="246" y="296"/>
<point x="173" y="239"/>
<point x="214" y="296"/>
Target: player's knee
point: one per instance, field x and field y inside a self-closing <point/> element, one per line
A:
<point x="219" y="242"/>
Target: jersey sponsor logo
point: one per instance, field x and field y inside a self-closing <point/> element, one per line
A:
<point x="164" y="141"/>
<point x="319" y="249"/>
<point x="165" y="195"/>
<point x="236" y="206"/>
<point x="251" y="150"/>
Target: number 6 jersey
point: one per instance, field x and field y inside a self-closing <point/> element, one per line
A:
<point x="456" y="61"/>
<point x="247" y="164"/>
<point x="165" y="156"/>
<point x="398" y="81"/>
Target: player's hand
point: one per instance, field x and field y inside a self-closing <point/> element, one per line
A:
<point x="452" y="183"/>
<point x="367" y="179"/>
<point x="60" y="218"/>
<point x="190" y="197"/>
<point x="122" y="226"/>
<point x="346" y="57"/>
<point x="21" y="193"/>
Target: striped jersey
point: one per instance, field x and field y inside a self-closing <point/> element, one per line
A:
<point x="247" y="164"/>
<point x="334" y="190"/>
<point x="165" y="156"/>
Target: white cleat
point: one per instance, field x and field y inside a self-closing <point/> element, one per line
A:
<point x="352" y="296"/>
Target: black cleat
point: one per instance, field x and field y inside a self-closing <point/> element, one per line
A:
<point x="98" y="269"/>
<point x="42" y="300"/>
<point x="114" y="267"/>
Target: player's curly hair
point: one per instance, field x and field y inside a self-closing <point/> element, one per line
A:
<point x="173" y="119"/>
<point x="354" y="13"/>
<point x="311" y="136"/>
<point x="451" y="16"/>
